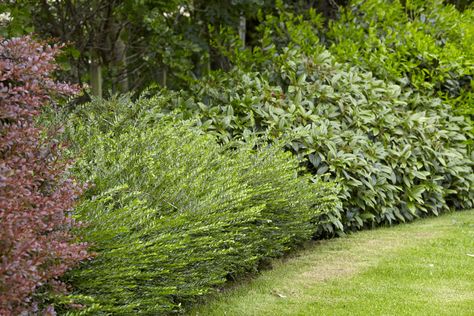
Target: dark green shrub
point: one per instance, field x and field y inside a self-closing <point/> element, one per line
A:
<point x="172" y="214"/>
<point x="420" y="45"/>
<point x="397" y="154"/>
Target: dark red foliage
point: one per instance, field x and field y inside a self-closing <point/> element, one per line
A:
<point x="36" y="246"/>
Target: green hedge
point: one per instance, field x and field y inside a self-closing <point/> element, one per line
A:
<point x="171" y="214"/>
<point x="396" y="153"/>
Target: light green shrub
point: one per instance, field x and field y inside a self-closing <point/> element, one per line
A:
<point x="172" y="214"/>
<point x="423" y="45"/>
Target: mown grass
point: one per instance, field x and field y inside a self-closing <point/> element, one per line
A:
<point x="422" y="268"/>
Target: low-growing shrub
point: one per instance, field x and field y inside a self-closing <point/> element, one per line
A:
<point x="36" y="246"/>
<point x="172" y="214"/>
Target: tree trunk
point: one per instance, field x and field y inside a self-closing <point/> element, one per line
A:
<point x="121" y="65"/>
<point x="95" y="75"/>
<point x="162" y="75"/>
<point x="242" y="29"/>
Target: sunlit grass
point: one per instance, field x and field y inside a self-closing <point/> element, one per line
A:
<point x="423" y="268"/>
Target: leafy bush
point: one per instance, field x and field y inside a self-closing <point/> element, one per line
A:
<point x="422" y="45"/>
<point x="172" y="214"/>
<point x="397" y="154"/>
<point x="35" y="196"/>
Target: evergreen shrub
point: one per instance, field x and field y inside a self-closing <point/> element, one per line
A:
<point x="172" y="214"/>
<point x="396" y="153"/>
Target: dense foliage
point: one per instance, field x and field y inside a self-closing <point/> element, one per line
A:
<point x="421" y="45"/>
<point x="397" y="153"/>
<point x="173" y="214"/>
<point x="36" y="246"/>
<point x="134" y="43"/>
<point x="294" y="119"/>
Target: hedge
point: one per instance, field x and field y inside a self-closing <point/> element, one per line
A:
<point x="397" y="154"/>
<point x="172" y="214"/>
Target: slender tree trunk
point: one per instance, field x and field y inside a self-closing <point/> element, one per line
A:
<point x="163" y="76"/>
<point x="95" y="75"/>
<point x="242" y="29"/>
<point x="121" y="65"/>
<point x="204" y="60"/>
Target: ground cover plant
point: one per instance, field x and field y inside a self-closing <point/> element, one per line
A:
<point x="172" y="214"/>
<point x="36" y="195"/>
<point x="423" y="267"/>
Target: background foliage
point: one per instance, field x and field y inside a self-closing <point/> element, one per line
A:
<point x="397" y="152"/>
<point x="422" y="45"/>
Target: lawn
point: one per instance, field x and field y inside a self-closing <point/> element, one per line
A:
<point x="422" y="268"/>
